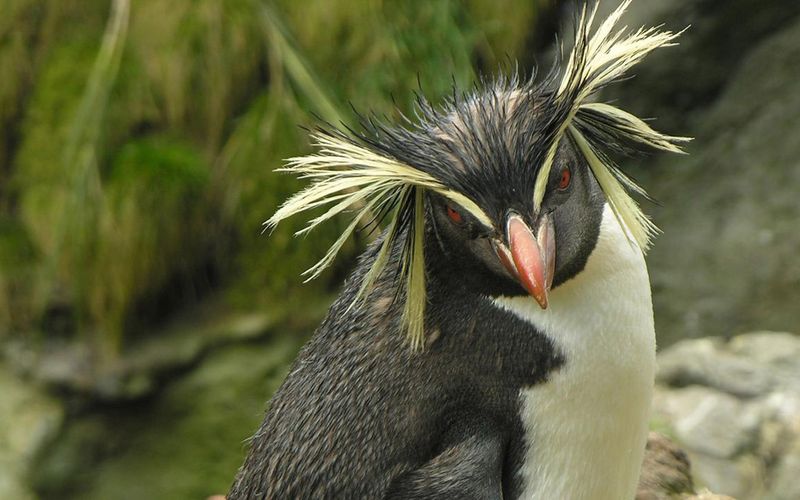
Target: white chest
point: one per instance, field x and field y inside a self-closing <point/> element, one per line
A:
<point x="586" y="427"/>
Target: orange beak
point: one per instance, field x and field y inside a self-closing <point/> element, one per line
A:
<point x="530" y="259"/>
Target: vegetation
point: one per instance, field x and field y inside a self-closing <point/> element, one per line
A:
<point x="138" y="141"/>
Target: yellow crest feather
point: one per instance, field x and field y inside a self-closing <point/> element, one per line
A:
<point x="348" y="177"/>
<point x="595" y="61"/>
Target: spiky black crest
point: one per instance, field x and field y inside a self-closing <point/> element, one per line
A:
<point x="478" y="144"/>
<point x="495" y="142"/>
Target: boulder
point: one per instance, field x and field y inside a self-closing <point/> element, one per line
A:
<point x="29" y="420"/>
<point x="734" y="407"/>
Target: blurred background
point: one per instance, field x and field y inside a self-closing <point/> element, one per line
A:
<point x="145" y="319"/>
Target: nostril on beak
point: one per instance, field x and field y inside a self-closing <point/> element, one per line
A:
<point x="504" y="255"/>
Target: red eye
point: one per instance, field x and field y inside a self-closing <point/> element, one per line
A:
<point x="566" y="177"/>
<point x="454" y="216"/>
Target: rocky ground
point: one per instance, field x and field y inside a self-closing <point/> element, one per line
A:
<point x="731" y="407"/>
<point x="734" y="407"/>
<point x="176" y="410"/>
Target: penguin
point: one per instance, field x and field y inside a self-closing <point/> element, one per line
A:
<point x="497" y="340"/>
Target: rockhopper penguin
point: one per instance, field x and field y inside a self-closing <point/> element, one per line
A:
<point x="497" y="341"/>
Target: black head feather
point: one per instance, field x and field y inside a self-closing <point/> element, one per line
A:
<point x="488" y="151"/>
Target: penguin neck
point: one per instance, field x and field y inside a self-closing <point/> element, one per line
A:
<point x="586" y="426"/>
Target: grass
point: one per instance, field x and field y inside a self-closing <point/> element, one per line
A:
<point x="139" y="141"/>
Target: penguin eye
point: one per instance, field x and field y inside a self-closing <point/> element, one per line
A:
<point x="566" y="178"/>
<point x="454" y="215"/>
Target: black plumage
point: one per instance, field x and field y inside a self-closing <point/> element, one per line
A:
<point x="478" y="195"/>
<point x="363" y="416"/>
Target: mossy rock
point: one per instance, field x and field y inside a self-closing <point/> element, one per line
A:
<point x="186" y="442"/>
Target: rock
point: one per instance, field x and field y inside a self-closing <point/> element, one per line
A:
<point x="706" y="362"/>
<point x="666" y="473"/>
<point x="775" y="348"/>
<point x="746" y="366"/>
<point x="707" y="495"/>
<point x="741" y="478"/>
<point x="779" y="351"/>
<point x="715" y="423"/>
<point x="181" y="442"/>
<point x="29" y="420"/>
<point x="74" y="368"/>
<point x="786" y="481"/>
<point x="734" y="407"/>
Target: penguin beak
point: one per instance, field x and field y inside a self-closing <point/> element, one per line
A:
<point x="530" y="259"/>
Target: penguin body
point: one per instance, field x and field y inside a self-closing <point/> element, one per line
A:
<point x="505" y="398"/>
<point x="497" y="341"/>
<point x="362" y="416"/>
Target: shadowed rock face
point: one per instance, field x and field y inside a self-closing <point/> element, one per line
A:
<point x="727" y="260"/>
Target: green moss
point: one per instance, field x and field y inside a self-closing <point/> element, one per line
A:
<point x="204" y="107"/>
<point x="153" y="183"/>
<point x="268" y="265"/>
<point x="17" y="26"/>
<point x="17" y="268"/>
<point x="159" y="162"/>
<point x="661" y="425"/>
<point x="382" y="49"/>
<point x="200" y="62"/>
<point x="39" y="179"/>
<point x="56" y="96"/>
<point x="500" y="36"/>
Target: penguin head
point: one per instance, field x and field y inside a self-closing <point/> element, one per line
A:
<point x="509" y="181"/>
<point x="523" y="250"/>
